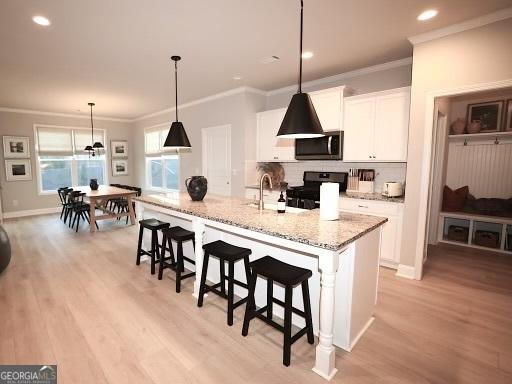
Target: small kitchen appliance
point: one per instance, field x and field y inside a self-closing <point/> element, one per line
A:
<point x="392" y="189"/>
<point x="307" y="196"/>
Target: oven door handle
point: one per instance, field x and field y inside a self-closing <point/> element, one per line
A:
<point x="329" y="145"/>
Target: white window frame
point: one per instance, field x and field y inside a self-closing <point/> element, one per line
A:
<point x="161" y="155"/>
<point x="74" y="159"/>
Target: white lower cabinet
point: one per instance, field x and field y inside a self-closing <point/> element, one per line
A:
<point x="391" y="231"/>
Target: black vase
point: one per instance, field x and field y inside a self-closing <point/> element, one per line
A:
<point x="94" y="184"/>
<point x="197" y="186"/>
<point x="5" y="249"/>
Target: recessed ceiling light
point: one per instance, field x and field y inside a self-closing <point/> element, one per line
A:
<point x="237" y="77"/>
<point x="307" y="55"/>
<point x="427" y="15"/>
<point x="41" y="20"/>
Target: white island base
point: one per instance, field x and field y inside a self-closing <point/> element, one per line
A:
<point x="343" y="287"/>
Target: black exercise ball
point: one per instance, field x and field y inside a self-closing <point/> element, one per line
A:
<point x="5" y="249"/>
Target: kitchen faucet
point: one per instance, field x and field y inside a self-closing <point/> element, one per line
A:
<point x="261" y="206"/>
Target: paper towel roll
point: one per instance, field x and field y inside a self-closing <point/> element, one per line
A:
<point x="329" y="201"/>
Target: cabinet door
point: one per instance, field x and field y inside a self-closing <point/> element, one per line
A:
<point x="389" y="249"/>
<point x="269" y="146"/>
<point x="328" y="106"/>
<point x="359" y="131"/>
<point x="391" y="127"/>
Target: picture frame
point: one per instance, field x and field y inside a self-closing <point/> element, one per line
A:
<point x="508" y="117"/>
<point x="119" y="148"/>
<point x="120" y="167"/>
<point x="18" y="170"/>
<point x="489" y="113"/>
<point x="16" y="147"/>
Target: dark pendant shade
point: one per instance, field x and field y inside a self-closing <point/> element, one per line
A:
<point x="88" y="148"/>
<point x="97" y="145"/>
<point x="177" y="137"/>
<point x="301" y="120"/>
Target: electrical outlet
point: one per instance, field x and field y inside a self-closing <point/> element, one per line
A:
<point x="15" y="203"/>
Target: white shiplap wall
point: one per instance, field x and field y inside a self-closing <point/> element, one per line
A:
<point x="483" y="166"/>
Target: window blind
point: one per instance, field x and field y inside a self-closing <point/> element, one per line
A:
<point x="65" y="141"/>
<point x="83" y="139"/>
<point x="54" y="141"/>
<point x="154" y="142"/>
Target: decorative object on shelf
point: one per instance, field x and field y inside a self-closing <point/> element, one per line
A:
<point x="474" y="127"/>
<point x="94" y="184"/>
<point x="508" y="119"/>
<point x="197" y="186"/>
<point x="119" y="148"/>
<point x="5" y="249"/>
<point x="119" y="167"/>
<point x="489" y="239"/>
<point x="177" y="137"/>
<point x="97" y="146"/>
<point x="18" y="170"/>
<point x="458" y="126"/>
<point x="276" y="173"/>
<point x="490" y="115"/>
<point x="300" y="120"/>
<point x="16" y="147"/>
<point x="458" y="233"/>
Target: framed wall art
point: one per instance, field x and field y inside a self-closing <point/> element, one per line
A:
<point x="119" y="148"/>
<point x="488" y="114"/>
<point x="119" y="167"/>
<point x="18" y="170"/>
<point x="16" y="147"/>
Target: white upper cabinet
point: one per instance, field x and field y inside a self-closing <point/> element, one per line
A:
<point x="269" y="147"/>
<point x="329" y="108"/>
<point x="376" y="126"/>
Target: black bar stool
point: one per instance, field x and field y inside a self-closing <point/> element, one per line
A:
<point x="289" y="276"/>
<point x="154" y="226"/>
<point x="179" y="235"/>
<point x="230" y="253"/>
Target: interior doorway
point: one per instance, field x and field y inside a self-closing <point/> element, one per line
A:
<point x="470" y="187"/>
<point x="216" y="145"/>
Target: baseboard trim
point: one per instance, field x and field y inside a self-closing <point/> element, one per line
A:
<point x="406" y="271"/>
<point x="31" y="212"/>
<point x="361" y="333"/>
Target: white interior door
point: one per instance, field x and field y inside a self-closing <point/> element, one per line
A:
<point x="216" y="142"/>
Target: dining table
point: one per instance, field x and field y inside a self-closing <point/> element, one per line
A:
<point x="99" y="198"/>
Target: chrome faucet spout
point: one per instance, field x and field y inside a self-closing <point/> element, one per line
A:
<point x="261" y="205"/>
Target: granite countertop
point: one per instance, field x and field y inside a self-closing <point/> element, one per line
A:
<point x="305" y="227"/>
<point x="356" y="195"/>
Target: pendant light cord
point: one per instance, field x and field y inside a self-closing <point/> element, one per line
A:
<point x="176" y="86"/>
<point x="300" y="56"/>
<point x="92" y="128"/>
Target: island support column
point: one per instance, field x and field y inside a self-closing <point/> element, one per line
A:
<point x="198" y="227"/>
<point x="325" y="350"/>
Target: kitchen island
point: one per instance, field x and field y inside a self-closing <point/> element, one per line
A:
<point x="343" y="256"/>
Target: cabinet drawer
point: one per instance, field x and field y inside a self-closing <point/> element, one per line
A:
<point x="369" y="207"/>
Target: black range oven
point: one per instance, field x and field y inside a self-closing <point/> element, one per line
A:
<point x="307" y="196"/>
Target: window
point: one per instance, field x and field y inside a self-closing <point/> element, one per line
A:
<point x="62" y="160"/>
<point x="162" y="164"/>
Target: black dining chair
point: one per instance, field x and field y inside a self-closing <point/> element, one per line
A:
<point x="79" y="209"/>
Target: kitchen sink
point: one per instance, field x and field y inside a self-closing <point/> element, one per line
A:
<point x="273" y="207"/>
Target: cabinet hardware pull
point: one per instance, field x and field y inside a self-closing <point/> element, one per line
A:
<point x="362" y="206"/>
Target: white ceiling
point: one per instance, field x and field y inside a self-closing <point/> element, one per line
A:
<point x="117" y="52"/>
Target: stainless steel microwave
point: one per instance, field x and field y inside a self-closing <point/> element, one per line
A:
<point x="328" y="147"/>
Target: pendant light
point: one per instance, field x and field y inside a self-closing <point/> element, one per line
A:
<point x="177" y="137"/>
<point x="96" y="146"/>
<point x="300" y="120"/>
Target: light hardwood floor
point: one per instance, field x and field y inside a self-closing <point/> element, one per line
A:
<point x="79" y="301"/>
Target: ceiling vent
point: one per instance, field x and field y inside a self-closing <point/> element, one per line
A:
<point x="269" y="59"/>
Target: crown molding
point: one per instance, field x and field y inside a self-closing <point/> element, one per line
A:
<point x="206" y="99"/>
<point x="345" y="75"/>
<point x="463" y="26"/>
<point x="46" y="113"/>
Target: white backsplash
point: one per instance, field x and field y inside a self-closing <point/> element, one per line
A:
<point x="383" y="171"/>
